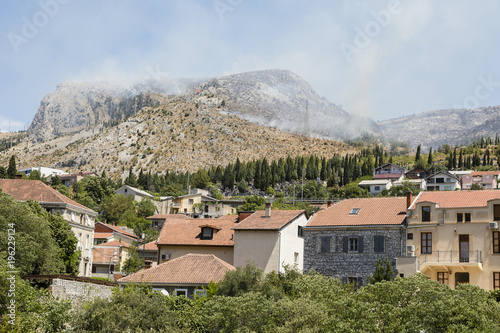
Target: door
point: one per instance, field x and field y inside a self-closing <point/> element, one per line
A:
<point x="463" y="246"/>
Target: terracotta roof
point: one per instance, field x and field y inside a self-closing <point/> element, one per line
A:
<point x="387" y="175"/>
<point x="458" y="199"/>
<point x="277" y="220"/>
<point x="167" y="216"/>
<point x="24" y="189"/>
<point x="151" y="246"/>
<point x="115" y="243"/>
<point x="104" y="227"/>
<point x="189" y="269"/>
<point x="481" y="173"/>
<point x="100" y="235"/>
<point x="188" y="231"/>
<point x="100" y="255"/>
<point x="372" y="211"/>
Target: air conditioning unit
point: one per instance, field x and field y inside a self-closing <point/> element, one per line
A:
<point x="165" y="256"/>
<point x="493" y="225"/>
<point x="410" y="250"/>
<point x="79" y="248"/>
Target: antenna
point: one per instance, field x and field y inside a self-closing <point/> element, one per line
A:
<point x="307" y="129"/>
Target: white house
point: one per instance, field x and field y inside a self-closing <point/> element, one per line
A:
<point x="44" y="172"/>
<point x="442" y="181"/>
<point x="376" y="186"/>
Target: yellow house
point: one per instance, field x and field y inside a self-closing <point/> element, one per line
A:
<point x="453" y="237"/>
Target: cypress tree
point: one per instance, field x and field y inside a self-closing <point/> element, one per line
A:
<point x="429" y="159"/>
<point x="12" y="170"/>
<point x="417" y="156"/>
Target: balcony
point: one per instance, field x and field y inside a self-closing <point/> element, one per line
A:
<point x="445" y="259"/>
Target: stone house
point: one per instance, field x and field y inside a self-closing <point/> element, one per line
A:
<point x="80" y="218"/>
<point x="346" y="239"/>
<point x="270" y="239"/>
<point x="182" y="276"/>
<point x="454" y="237"/>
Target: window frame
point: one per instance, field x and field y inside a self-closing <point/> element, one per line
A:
<point x="208" y="230"/>
<point x="467" y="217"/>
<point x="496" y="209"/>
<point x="200" y="292"/>
<point x="496" y="241"/>
<point x="427" y="247"/>
<point x="181" y="290"/>
<point x="460" y="217"/>
<point x="427" y="214"/>
<point x="409" y="235"/>
<point x="443" y="278"/>
<point x="496" y="280"/>
<point x="190" y="201"/>
<point x="325" y="244"/>
<point x="353" y="244"/>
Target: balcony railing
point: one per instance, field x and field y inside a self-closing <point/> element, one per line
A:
<point x="448" y="257"/>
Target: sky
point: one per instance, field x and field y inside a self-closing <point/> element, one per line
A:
<point x="380" y="59"/>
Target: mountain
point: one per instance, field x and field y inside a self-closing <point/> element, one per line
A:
<point x="275" y="98"/>
<point x="180" y="134"/>
<point x="452" y="126"/>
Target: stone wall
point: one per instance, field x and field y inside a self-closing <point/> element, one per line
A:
<point x="78" y="291"/>
<point x="339" y="264"/>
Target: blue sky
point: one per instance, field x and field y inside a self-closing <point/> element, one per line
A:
<point x="381" y="59"/>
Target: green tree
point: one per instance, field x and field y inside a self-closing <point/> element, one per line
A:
<point x="3" y="173"/>
<point x="35" y="175"/>
<point x="115" y="208"/>
<point x="12" y="170"/>
<point x="253" y="204"/>
<point x="241" y="281"/>
<point x="200" y="179"/>
<point x="243" y="186"/>
<point x="476" y="186"/>
<point x="145" y="207"/>
<point x="383" y="271"/>
<point x="133" y="262"/>
<point x="429" y="159"/>
<point x="54" y="180"/>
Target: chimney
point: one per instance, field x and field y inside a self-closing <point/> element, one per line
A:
<point x="268" y="209"/>
<point x="409" y="199"/>
<point x="329" y="204"/>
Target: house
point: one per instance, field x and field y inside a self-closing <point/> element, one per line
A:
<point x="162" y="204"/>
<point x="186" y="204"/>
<point x="417" y="173"/>
<point x="346" y="239"/>
<point x="389" y="171"/>
<point x="148" y="251"/>
<point x="108" y="256"/>
<point x="375" y="186"/>
<point x="417" y="184"/>
<point x="182" y="235"/>
<point x="185" y="275"/>
<point x="270" y="239"/>
<point x="69" y="179"/>
<point x="44" y="172"/>
<point x="442" y="181"/>
<point x="106" y="233"/>
<point x="485" y="179"/>
<point x="453" y="237"/>
<point x="80" y="218"/>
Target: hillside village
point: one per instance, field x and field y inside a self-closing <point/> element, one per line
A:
<point x="352" y="218"/>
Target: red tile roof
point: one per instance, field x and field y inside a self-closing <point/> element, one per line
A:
<point x="115" y="243"/>
<point x="100" y="235"/>
<point x="103" y="227"/>
<point x="24" y="189"/>
<point x="151" y="246"/>
<point x="481" y="173"/>
<point x="372" y="211"/>
<point x="458" y="199"/>
<point x="188" y="231"/>
<point x="195" y="269"/>
<point x="277" y="220"/>
<point x="387" y="175"/>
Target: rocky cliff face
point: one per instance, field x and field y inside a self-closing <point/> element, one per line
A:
<point x="453" y="126"/>
<point x="275" y="98"/>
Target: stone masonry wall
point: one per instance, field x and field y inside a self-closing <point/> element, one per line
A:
<point x="338" y="264"/>
<point x="78" y="291"/>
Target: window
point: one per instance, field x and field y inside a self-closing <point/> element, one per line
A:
<point x="460" y="217"/>
<point x="207" y="233"/>
<point x="352" y="280"/>
<point x="200" y="292"/>
<point x="439" y="180"/>
<point x="300" y="231"/>
<point x="467" y="217"/>
<point x="496" y="280"/>
<point x="181" y="292"/>
<point x="378" y="243"/>
<point x="72" y="216"/>
<point x="354" y="211"/>
<point x="87" y="242"/>
<point x="377" y="188"/>
<point x="442" y="277"/>
<point x="426" y="243"/>
<point x="496" y="241"/>
<point x="409" y="236"/>
<point x="426" y="213"/>
<point x="496" y="212"/>
<point x="353" y="244"/>
<point x="191" y="201"/>
<point x="295" y="257"/>
<point x="325" y="244"/>
<point x="461" y="278"/>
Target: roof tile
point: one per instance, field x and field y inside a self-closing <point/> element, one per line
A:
<point x="458" y="199"/>
<point x="259" y="221"/>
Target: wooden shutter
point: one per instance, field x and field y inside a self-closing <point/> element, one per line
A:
<point x="378" y="243"/>
<point x="346" y="244"/>
<point x="360" y="244"/>
<point x="360" y="281"/>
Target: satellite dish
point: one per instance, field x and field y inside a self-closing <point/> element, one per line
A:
<point x="164" y="292"/>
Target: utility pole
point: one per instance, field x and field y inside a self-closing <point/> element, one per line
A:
<point x="302" y="196"/>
